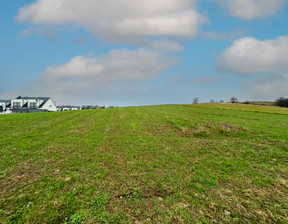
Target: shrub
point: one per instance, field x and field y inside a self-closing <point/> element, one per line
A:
<point x="234" y="100"/>
<point x="282" y="102"/>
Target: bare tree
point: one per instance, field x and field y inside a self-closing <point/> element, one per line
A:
<point x="195" y="100"/>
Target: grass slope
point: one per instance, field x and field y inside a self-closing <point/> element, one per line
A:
<point x="199" y="163"/>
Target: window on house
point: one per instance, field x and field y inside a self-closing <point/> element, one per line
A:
<point x="33" y="105"/>
<point x="1" y="109"/>
<point x="16" y="105"/>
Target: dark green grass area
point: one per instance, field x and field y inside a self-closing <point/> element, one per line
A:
<point x="199" y="163"/>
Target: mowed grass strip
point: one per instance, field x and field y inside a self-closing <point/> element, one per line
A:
<point x="169" y="164"/>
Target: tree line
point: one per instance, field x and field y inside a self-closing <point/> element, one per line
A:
<point x="282" y="102"/>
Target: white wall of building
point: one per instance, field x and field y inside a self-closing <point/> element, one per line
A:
<point x="49" y="105"/>
<point x="16" y="101"/>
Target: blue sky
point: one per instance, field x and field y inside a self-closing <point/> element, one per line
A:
<point x="135" y="52"/>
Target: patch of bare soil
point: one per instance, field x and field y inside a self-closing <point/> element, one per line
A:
<point x="208" y="129"/>
<point x="13" y="181"/>
<point x="158" y="129"/>
<point x="224" y="128"/>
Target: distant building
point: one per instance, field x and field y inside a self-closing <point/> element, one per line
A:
<point x="87" y="107"/>
<point x="67" y="108"/>
<point x="5" y="106"/>
<point x="27" y="105"/>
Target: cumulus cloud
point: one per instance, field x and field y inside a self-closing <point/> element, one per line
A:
<point x="251" y="56"/>
<point x="118" y="65"/>
<point x="121" y="20"/>
<point x="90" y="75"/>
<point x="252" y="9"/>
<point x="270" y="87"/>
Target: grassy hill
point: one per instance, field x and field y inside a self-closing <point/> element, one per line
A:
<point x="261" y="103"/>
<point x="198" y="163"/>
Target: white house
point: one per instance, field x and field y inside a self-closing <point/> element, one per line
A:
<point x="27" y="105"/>
<point x="33" y="103"/>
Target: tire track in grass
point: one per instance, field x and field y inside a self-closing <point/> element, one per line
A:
<point x="45" y="156"/>
<point x="128" y="177"/>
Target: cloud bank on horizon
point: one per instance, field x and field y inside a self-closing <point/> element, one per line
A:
<point x="150" y="42"/>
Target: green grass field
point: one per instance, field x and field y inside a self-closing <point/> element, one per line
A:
<point x="200" y="163"/>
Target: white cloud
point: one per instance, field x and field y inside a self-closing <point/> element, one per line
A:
<point x="252" y="9"/>
<point x="81" y="41"/>
<point x="118" y="65"/>
<point x="251" y="56"/>
<point x="89" y="76"/>
<point x="121" y="20"/>
<point x="47" y="31"/>
<point x="215" y="35"/>
<point x="207" y="80"/>
<point x="174" y="80"/>
<point x="268" y="88"/>
<point x="164" y="45"/>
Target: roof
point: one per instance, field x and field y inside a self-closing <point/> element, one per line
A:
<point x="45" y="99"/>
<point x="5" y="101"/>
<point x="33" y="98"/>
